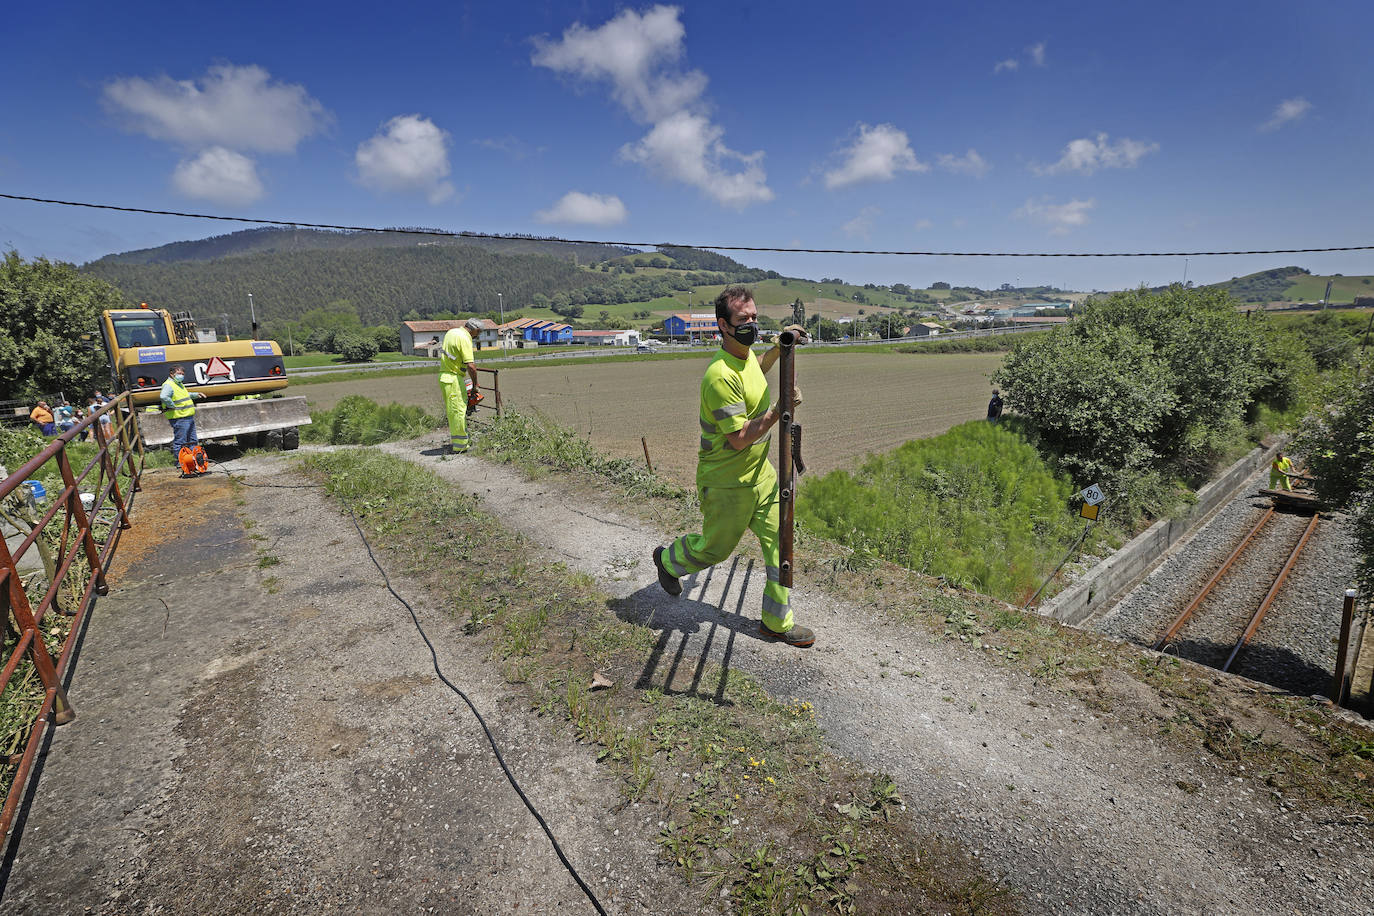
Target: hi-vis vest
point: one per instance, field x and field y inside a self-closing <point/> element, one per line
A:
<point x="181" y="401"/>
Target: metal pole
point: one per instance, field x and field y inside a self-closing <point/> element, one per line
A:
<point x="645" y="442"/>
<point x="1347" y="618"/>
<point x="787" y="380"/>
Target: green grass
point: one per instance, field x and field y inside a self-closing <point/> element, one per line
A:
<point x="977" y="506"/>
<point x="357" y="420"/>
<point x="536" y="444"/>
<point x="313" y="360"/>
<point x="1345" y="289"/>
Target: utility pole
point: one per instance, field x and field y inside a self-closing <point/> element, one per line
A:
<point x="501" y="304"/>
<point x="225" y="318"/>
<point x="1185" y="271"/>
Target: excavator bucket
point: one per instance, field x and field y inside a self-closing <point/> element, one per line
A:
<point x="222" y="419"/>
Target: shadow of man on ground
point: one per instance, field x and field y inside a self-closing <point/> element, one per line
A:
<point x="693" y="629"/>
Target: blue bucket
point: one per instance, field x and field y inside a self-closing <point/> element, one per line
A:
<point x="37" y="489"/>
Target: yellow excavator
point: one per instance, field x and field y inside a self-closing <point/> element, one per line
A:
<point x="239" y="378"/>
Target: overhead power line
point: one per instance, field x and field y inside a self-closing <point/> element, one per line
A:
<point x="703" y="246"/>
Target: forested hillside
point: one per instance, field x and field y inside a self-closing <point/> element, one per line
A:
<point x="272" y="240"/>
<point x="383" y="283"/>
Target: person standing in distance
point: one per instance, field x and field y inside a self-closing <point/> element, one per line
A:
<point x="180" y="410"/>
<point x="735" y="480"/>
<point x="995" y="406"/>
<point x="456" y="357"/>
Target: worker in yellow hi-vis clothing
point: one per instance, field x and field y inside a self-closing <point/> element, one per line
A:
<point x="735" y="480"/>
<point x="456" y="357"/>
<point x="1279" y="471"/>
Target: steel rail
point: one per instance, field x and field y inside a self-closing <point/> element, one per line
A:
<point x="1187" y="614"/>
<point x="1273" y="591"/>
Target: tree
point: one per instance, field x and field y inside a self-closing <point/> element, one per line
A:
<point x="1337" y="440"/>
<point x="387" y="338"/>
<point x="940" y="285"/>
<point x="45" y="309"/>
<point x="355" y="347"/>
<point x="1096" y="398"/>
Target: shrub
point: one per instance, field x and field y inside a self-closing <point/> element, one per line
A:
<point x="977" y="505"/>
<point x="355" y="348"/>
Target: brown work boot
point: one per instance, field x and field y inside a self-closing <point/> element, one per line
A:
<point x="666" y="580"/>
<point x="798" y="636"/>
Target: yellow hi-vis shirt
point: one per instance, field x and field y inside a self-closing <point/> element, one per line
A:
<point x="733" y="392"/>
<point x="455" y="354"/>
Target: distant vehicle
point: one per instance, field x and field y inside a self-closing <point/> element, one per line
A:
<point x="644" y="348"/>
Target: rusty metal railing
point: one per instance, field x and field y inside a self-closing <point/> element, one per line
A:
<point x="74" y="528"/>
<point x="495" y="387"/>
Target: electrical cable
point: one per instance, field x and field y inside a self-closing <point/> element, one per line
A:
<point x="434" y="658"/>
<point x="699" y="246"/>
<point x="434" y="661"/>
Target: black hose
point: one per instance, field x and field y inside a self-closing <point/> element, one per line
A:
<point x="434" y="661"/>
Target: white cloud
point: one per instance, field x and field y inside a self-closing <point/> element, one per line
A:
<point x="1060" y="218"/>
<point x="232" y="107"/>
<point x="1288" y="110"/>
<point x="1034" y="53"/>
<point x="921" y="225"/>
<point x="968" y="164"/>
<point x="220" y="175"/>
<point x="861" y="226"/>
<point x="640" y="55"/>
<point x="576" y="207"/>
<point x="687" y="147"/>
<point x="877" y="154"/>
<point x="1087" y="155"/>
<point x="409" y="154"/>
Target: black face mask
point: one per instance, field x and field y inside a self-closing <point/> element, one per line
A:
<point x="746" y="333"/>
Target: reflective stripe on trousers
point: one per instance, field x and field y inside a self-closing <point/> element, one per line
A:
<point x="726" y="513"/>
<point x="456" y="406"/>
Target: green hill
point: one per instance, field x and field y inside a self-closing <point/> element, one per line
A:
<point x="1296" y="284"/>
<point x="274" y="240"/>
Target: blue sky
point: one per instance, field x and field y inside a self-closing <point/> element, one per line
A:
<point x="975" y="127"/>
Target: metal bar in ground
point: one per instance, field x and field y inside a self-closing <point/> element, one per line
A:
<point x="1212" y="582"/>
<point x="1273" y="590"/>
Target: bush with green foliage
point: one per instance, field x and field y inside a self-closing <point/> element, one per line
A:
<point x="45" y="308"/>
<point x="1337" y="441"/>
<point x="355" y="348"/>
<point x="1143" y="387"/>
<point x="977" y="504"/>
<point x="357" y="420"/>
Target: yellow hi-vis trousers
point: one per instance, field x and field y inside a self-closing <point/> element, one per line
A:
<point x="455" y="389"/>
<point x="726" y="513"/>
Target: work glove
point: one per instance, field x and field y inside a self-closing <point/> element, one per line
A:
<point x="802" y="336"/>
<point x="796" y="397"/>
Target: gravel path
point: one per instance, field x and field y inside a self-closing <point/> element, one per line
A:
<point x="1295" y="646"/>
<point x="1077" y="811"/>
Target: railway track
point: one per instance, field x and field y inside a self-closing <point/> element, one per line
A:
<point x="1218" y="624"/>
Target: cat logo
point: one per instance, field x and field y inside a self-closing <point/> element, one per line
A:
<point x="215" y="369"/>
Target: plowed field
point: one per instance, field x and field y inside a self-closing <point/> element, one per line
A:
<point x="854" y="403"/>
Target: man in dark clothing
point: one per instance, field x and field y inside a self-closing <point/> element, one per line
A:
<point x="995" y="406"/>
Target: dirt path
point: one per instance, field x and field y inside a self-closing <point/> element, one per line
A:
<point x="269" y="737"/>
<point x="1079" y="812"/>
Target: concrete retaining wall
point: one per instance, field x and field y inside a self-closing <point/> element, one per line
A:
<point x="1096" y="589"/>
